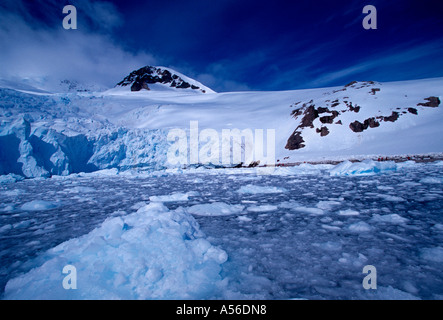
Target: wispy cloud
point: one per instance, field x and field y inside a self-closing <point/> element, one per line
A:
<point x="43" y="50"/>
<point x="383" y="63"/>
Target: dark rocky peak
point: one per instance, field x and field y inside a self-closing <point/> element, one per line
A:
<point x="143" y="77"/>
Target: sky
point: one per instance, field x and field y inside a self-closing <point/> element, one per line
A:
<point x="228" y="45"/>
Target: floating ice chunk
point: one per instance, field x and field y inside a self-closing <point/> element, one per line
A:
<point x="434" y="254"/>
<point x="313" y="211"/>
<point x="10" y="178"/>
<point x="410" y="287"/>
<point x="5" y="228"/>
<point x="138" y="205"/>
<point x="360" y="260"/>
<point x="244" y="218"/>
<point x="7" y="208"/>
<point x="288" y="204"/>
<point x="253" y="189"/>
<point x="394" y="236"/>
<point x="304" y="168"/>
<point x="390" y="218"/>
<point x="409" y="184"/>
<point x="176" y="196"/>
<point x="262" y="208"/>
<point x="13" y="193"/>
<point x="284" y="171"/>
<point x="326" y="220"/>
<point x="348" y="212"/>
<point x="432" y="180"/>
<point x="360" y="226"/>
<point x="407" y="164"/>
<point x="100" y="173"/>
<point x="249" y="201"/>
<point x="387" y="293"/>
<point x="329" y="245"/>
<point x="23" y="224"/>
<point x="330" y="228"/>
<point x="385" y="188"/>
<point x="388" y="197"/>
<point x="153" y="253"/>
<point x="366" y="167"/>
<point x="39" y="205"/>
<point x="80" y="189"/>
<point x="328" y="204"/>
<point x="215" y="209"/>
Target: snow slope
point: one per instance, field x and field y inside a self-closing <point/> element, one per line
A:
<point x="44" y="134"/>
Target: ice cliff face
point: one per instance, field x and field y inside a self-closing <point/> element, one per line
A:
<point x="42" y="136"/>
<point x="32" y="151"/>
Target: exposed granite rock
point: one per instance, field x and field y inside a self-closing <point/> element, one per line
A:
<point x="392" y="118"/>
<point x="310" y="115"/>
<point x="356" y="109"/>
<point x="357" y="126"/>
<point x="413" y="110"/>
<point x="322" y="110"/>
<point x="433" y="102"/>
<point x="295" y="141"/>
<point x="324" y="131"/>
<point x="141" y="78"/>
<point x="327" y="119"/>
<point x="351" y="83"/>
<point x="372" y="123"/>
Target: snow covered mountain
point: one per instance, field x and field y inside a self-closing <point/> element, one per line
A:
<point x="51" y="133"/>
<point x="160" y="78"/>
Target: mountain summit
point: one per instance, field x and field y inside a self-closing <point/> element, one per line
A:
<point x="159" y="78"/>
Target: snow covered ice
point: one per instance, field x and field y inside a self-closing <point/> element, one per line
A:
<point x="126" y="258"/>
<point x="226" y="233"/>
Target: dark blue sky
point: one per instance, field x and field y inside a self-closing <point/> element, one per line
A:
<point x="277" y="45"/>
<point x="269" y="45"/>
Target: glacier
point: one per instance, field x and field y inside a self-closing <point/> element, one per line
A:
<point x="58" y="133"/>
<point x="32" y="144"/>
